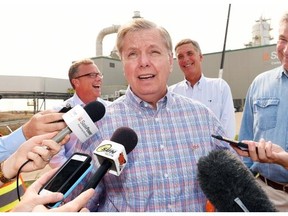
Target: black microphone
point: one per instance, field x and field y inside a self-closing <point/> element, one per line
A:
<point x="81" y="121"/>
<point x="65" y="109"/>
<point x="229" y="185"/>
<point x="111" y="154"/>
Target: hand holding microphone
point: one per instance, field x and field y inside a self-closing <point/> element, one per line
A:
<point x="112" y="154"/>
<point x="81" y="121"/>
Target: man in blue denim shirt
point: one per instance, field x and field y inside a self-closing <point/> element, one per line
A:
<point x="265" y="116"/>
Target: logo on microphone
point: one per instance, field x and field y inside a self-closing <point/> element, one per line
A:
<point x="114" y="152"/>
<point x="121" y="159"/>
<point x="107" y="148"/>
<point x="80" y="123"/>
<point x="84" y="127"/>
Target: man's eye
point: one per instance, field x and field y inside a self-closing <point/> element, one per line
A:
<point x="190" y="53"/>
<point x="132" y="54"/>
<point x="155" y="52"/>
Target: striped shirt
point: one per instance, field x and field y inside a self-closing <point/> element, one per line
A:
<point x="161" y="172"/>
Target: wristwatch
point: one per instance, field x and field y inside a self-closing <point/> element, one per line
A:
<point x="3" y="179"/>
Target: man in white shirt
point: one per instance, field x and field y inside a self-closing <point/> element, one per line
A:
<point x="86" y="80"/>
<point x="215" y="93"/>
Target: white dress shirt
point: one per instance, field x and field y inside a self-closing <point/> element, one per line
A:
<point x="216" y="94"/>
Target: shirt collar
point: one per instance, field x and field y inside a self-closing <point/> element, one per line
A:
<point x="199" y="84"/>
<point x="285" y="72"/>
<point x="281" y="72"/>
<point x="136" y="101"/>
<point x="77" y="100"/>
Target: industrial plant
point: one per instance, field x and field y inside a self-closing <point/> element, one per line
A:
<point x="240" y="68"/>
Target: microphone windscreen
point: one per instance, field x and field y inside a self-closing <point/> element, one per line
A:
<point x="223" y="177"/>
<point x="125" y="136"/>
<point x="96" y="110"/>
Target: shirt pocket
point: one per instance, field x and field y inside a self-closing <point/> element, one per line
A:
<point x="266" y="113"/>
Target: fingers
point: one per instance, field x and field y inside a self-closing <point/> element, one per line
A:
<point x="77" y="204"/>
<point x="253" y="153"/>
<point x="39" y="183"/>
<point x="65" y="140"/>
<point x="84" y="210"/>
<point x="49" y="116"/>
<point x="39" y="149"/>
<point x="44" y="152"/>
<point x="43" y="122"/>
<point x="47" y="150"/>
<point x="265" y="151"/>
<point x="240" y="152"/>
<point x="51" y="146"/>
<point x="32" y="198"/>
<point x="36" y="162"/>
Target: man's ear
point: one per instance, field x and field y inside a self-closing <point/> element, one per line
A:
<point x="75" y="82"/>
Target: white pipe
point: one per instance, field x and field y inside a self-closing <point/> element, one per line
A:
<point x="109" y="30"/>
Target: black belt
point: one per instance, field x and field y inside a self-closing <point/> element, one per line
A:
<point x="273" y="184"/>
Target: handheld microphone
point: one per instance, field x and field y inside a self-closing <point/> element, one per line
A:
<point x="65" y="109"/>
<point x="229" y="185"/>
<point x="112" y="155"/>
<point x="80" y="121"/>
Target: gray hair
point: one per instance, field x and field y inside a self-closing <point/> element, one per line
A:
<point x="139" y="24"/>
<point x="188" y="41"/>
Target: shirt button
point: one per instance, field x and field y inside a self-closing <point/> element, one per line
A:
<point x="162" y="146"/>
<point x="166" y="175"/>
<point x="156" y="119"/>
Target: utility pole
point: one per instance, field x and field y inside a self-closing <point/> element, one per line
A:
<point x="224" y="46"/>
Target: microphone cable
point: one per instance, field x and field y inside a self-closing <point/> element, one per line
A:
<point x="17" y="179"/>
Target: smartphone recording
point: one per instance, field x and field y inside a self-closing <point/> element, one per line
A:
<point x="240" y="145"/>
<point x="68" y="176"/>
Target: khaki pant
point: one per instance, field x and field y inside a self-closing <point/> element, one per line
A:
<point x="278" y="197"/>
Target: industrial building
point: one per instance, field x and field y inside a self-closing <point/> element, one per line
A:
<point x="241" y="66"/>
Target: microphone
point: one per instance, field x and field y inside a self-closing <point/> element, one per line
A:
<point x="112" y="154"/>
<point x="65" y="109"/>
<point x="229" y="185"/>
<point x="81" y="120"/>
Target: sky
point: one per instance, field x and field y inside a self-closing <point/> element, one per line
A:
<point x="42" y="38"/>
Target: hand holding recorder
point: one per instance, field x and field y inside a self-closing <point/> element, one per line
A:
<point x="32" y="201"/>
<point x="67" y="177"/>
<point x="111" y="154"/>
<point x="262" y="151"/>
<point x="267" y="152"/>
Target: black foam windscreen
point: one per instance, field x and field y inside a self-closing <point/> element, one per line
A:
<point x="223" y="177"/>
<point x="125" y="136"/>
<point x="96" y="110"/>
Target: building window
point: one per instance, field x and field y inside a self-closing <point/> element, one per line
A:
<point x="112" y="65"/>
